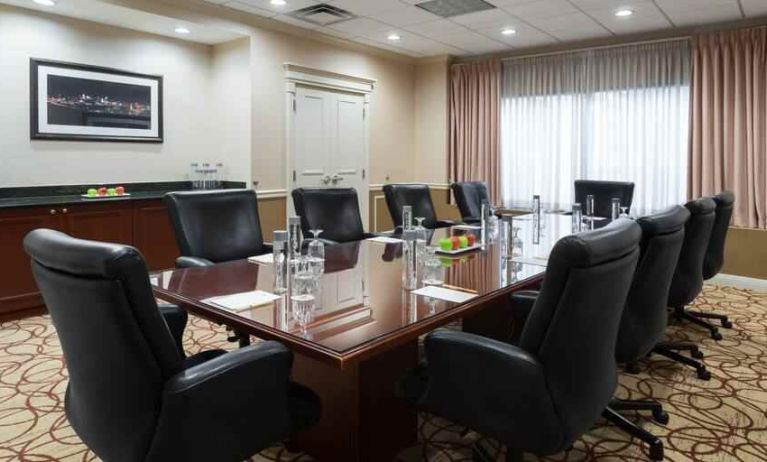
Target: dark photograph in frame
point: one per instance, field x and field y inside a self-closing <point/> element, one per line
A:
<point x="90" y="103"/>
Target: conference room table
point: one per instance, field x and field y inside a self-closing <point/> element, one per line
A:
<point x="365" y="331"/>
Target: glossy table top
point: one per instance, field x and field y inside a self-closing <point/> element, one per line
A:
<point x="364" y="306"/>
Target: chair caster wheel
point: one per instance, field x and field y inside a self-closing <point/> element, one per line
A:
<point x="716" y="335"/>
<point x="727" y="324"/>
<point x="661" y="417"/>
<point x="697" y="354"/>
<point x="703" y="374"/>
<point x="656" y="452"/>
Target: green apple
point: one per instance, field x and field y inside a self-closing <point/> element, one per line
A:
<point x="92" y="192"/>
<point x="111" y="192"/>
<point x="446" y="244"/>
<point x="463" y="241"/>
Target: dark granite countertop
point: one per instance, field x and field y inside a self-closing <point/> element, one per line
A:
<point x="71" y="194"/>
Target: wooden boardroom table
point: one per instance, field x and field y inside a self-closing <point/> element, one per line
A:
<point x="364" y="336"/>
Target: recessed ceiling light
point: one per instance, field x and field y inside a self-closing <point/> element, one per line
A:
<point x="45" y="2"/>
<point x="278" y="2"/>
<point x="624" y="13"/>
<point x="508" y="31"/>
<point x="182" y="30"/>
<point x="393" y="37"/>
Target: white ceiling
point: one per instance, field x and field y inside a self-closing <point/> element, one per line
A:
<point x="537" y="22"/>
<point x="115" y="15"/>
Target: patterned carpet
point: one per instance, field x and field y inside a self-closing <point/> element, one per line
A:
<point x="724" y="419"/>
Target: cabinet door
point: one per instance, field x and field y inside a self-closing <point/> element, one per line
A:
<point x="153" y="235"/>
<point x="108" y="222"/>
<point x="18" y="291"/>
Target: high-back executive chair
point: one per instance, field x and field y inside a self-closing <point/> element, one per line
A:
<point x="131" y="395"/>
<point x="713" y="260"/>
<point x="469" y="196"/>
<point x="336" y="211"/>
<point x="603" y="192"/>
<point x="215" y="226"/>
<point x="540" y="396"/>
<point x="645" y="316"/>
<point x="418" y="196"/>
<point x="688" y="277"/>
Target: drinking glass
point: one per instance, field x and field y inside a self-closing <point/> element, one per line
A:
<point x="304" y="294"/>
<point x="421" y="235"/>
<point x="590" y="206"/>
<point x="624" y="212"/>
<point x="615" y="206"/>
<point x="516" y="243"/>
<point x="577" y="217"/>
<point x="315" y="253"/>
<point x="433" y="273"/>
<point x="279" y="261"/>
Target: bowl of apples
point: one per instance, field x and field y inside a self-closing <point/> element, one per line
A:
<point x="455" y="245"/>
<point x="105" y="193"/>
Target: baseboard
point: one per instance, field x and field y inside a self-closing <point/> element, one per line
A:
<point x="741" y="282"/>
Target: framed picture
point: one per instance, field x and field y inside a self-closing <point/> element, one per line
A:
<point x="89" y="103"/>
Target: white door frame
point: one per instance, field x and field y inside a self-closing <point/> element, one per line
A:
<point x="301" y="75"/>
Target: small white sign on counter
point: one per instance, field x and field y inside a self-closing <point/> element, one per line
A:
<point x="385" y="240"/>
<point x="266" y="259"/>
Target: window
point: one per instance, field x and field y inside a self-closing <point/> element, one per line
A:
<point x="612" y="114"/>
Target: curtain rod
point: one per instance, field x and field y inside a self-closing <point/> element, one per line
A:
<point x="599" y="47"/>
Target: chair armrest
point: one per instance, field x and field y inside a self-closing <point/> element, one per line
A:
<point x="495" y="381"/>
<point x="267" y="248"/>
<point x="238" y="396"/>
<point x="369" y="235"/>
<point x="192" y="262"/>
<point x="445" y="223"/>
<point x="524" y="299"/>
<point x="326" y="242"/>
<point x="176" y="319"/>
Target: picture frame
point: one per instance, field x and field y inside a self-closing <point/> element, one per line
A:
<point x="80" y="102"/>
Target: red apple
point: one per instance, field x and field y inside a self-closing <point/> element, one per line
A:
<point x="472" y="239"/>
<point x="120" y="190"/>
<point x="456" y="242"/>
<point x="102" y="191"/>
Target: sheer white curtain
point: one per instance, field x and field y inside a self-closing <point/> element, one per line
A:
<point x="608" y="114"/>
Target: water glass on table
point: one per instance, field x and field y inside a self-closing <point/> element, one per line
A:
<point x="433" y="272"/>
<point x="315" y="253"/>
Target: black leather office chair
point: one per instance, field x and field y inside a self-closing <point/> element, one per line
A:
<point x="418" y="196"/>
<point x="336" y="211"/>
<point x="215" y="226"/>
<point x="646" y="316"/>
<point x="469" y="195"/>
<point x="542" y="395"/>
<point x="603" y="192"/>
<point x="688" y="277"/>
<point x="131" y="395"/>
<point x="714" y="258"/>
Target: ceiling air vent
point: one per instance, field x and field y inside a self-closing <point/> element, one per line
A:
<point x="322" y="14"/>
<point x="450" y="8"/>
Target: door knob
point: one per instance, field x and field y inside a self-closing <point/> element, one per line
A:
<point x="326" y="179"/>
<point x="337" y="178"/>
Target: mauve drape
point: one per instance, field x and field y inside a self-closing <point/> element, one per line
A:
<point x="475" y="123"/>
<point x="728" y="140"/>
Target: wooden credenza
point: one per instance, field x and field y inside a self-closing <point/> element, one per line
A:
<point x="143" y="223"/>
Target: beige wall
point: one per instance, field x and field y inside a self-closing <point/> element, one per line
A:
<point x="186" y="68"/>
<point x="392" y="105"/>
<point x="230" y="107"/>
<point x="431" y="122"/>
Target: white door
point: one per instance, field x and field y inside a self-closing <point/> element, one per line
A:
<point x="329" y="147"/>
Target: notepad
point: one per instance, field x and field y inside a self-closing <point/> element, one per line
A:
<point x="467" y="227"/>
<point x="243" y="300"/>
<point x="443" y="293"/>
<point x="385" y="240"/>
<point x="266" y="259"/>
<point x="540" y="261"/>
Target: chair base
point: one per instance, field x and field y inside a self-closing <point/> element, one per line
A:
<point x="670" y="350"/>
<point x="658" y="414"/>
<point x="723" y="319"/>
<point x="655" y="444"/>
<point x="699" y="319"/>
